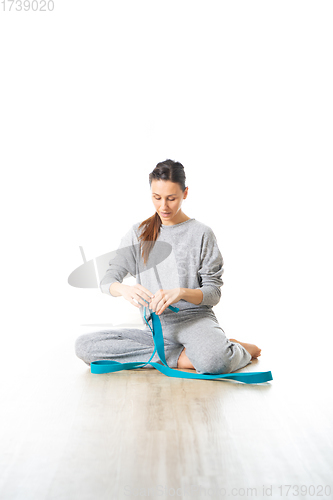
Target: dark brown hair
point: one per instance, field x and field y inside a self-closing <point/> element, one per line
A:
<point x="167" y="170"/>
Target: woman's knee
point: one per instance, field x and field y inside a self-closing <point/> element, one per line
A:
<point x="216" y="366"/>
<point x="213" y="362"/>
<point x="81" y="347"/>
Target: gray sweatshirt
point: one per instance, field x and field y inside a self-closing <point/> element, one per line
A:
<point x="184" y="255"/>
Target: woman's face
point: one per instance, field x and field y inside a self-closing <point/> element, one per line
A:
<point x="168" y="197"/>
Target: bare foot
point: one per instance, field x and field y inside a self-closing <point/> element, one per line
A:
<point x="184" y="362"/>
<point x="251" y="348"/>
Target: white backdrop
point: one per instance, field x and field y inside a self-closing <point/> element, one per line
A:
<point x="93" y="96"/>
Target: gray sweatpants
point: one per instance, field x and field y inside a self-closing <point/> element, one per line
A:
<point x="207" y="346"/>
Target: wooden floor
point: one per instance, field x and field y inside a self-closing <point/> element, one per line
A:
<point x="68" y="434"/>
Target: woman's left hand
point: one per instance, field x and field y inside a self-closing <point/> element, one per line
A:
<point x="163" y="299"/>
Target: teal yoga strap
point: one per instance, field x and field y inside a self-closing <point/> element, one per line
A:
<point x="107" y="366"/>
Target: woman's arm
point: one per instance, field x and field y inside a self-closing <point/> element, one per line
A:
<point x="194" y="296"/>
<point x="211" y="270"/>
<point x="121" y="265"/>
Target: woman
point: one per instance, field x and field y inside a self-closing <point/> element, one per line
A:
<point x="176" y="260"/>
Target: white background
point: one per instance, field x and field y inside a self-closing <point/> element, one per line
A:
<point x="94" y="95"/>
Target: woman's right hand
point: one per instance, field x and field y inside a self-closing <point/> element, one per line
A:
<point x="137" y="293"/>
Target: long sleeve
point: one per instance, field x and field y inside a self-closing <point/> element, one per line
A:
<point x="211" y="270"/>
<point x="122" y="264"/>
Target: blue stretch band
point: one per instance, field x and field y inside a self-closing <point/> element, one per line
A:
<point x="108" y="366"/>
